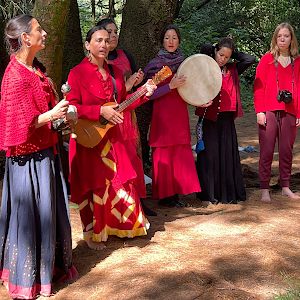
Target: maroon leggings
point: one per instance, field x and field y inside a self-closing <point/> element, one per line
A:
<point x="281" y="126"/>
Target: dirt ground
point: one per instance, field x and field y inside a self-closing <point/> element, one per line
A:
<point x="242" y="251"/>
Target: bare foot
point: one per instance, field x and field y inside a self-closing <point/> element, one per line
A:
<point x="265" y="195"/>
<point x="95" y="245"/>
<point x="287" y="192"/>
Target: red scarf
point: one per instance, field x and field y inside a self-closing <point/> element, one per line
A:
<point x="24" y="96"/>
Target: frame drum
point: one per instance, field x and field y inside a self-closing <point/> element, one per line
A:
<point x="203" y="79"/>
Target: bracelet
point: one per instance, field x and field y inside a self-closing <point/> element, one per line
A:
<point x="51" y="119"/>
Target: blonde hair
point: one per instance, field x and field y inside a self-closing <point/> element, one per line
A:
<point x="294" y="52"/>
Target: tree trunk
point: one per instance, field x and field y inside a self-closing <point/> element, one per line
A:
<point x="52" y="16"/>
<point x="73" y="47"/>
<point x="142" y="24"/>
<point x="72" y="55"/>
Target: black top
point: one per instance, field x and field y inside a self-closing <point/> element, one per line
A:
<point x="243" y="60"/>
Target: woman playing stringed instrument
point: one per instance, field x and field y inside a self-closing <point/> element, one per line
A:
<point x="102" y="178"/>
<point x="133" y="77"/>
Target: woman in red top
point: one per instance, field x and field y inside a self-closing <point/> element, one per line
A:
<point x="276" y="101"/>
<point x="133" y="77"/>
<point x="35" y="233"/>
<point x="103" y="178"/>
<point x="173" y="164"/>
<point x="218" y="165"/>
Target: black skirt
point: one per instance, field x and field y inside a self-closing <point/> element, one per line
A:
<point x="218" y="165"/>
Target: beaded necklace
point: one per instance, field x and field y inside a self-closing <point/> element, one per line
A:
<point x="30" y="68"/>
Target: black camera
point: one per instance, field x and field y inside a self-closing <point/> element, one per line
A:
<point x="285" y="96"/>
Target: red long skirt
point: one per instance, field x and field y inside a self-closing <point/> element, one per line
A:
<point x="174" y="171"/>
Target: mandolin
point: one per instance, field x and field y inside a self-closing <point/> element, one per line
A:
<point x="90" y="133"/>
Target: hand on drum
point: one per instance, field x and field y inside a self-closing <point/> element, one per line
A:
<point x="150" y="86"/>
<point x="110" y="114"/>
<point x="177" y="81"/>
<point x="207" y="104"/>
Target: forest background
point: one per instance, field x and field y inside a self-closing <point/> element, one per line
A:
<point x="250" y="22"/>
<point x="262" y="242"/>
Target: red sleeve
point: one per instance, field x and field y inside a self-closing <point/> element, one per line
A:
<point x="90" y="112"/>
<point x="297" y="76"/>
<point x="260" y="84"/>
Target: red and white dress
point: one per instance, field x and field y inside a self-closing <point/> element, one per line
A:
<point x="103" y="178"/>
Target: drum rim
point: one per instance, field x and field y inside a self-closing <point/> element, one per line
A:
<point x="219" y="79"/>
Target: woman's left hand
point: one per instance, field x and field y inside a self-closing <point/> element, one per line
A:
<point x="297" y="122"/>
<point x="134" y="80"/>
<point x="139" y="76"/>
<point x="150" y="87"/>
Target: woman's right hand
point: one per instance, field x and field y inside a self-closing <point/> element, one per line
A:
<point x="261" y="119"/>
<point x="111" y="115"/>
<point x="59" y="111"/>
<point x="177" y="81"/>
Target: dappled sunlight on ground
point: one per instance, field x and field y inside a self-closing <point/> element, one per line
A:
<point x="238" y="251"/>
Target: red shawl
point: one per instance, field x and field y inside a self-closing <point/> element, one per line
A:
<point x="24" y="96"/>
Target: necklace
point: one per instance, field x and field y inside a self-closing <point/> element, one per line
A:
<point x="284" y="60"/>
<point x="30" y="68"/>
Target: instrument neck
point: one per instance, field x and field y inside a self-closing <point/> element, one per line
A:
<point x="142" y="91"/>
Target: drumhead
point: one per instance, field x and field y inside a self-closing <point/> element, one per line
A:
<point x="203" y="79"/>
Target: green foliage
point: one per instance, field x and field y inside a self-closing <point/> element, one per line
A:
<point x="251" y="23"/>
<point x="11" y="8"/>
<point x="87" y="20"/>
<point x="293" y="290"/>
<point x="246" y="94"/>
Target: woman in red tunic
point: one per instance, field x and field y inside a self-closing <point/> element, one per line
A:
<point x="278" y="116"/>
<point x="173" y="165"/>
<point x="133" y="77"/>
<point x="102" y="179"/>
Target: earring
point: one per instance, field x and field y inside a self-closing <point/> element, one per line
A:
<point x="28" y="44"/>
<point x="89" y="55"/>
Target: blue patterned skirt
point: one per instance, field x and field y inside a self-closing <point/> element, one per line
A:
<point x="35" y="233"/>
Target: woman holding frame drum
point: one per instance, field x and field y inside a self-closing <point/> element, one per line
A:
<point x="173" y="165"/>
<point x="218" y="165"/>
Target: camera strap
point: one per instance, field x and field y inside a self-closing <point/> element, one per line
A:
<point x="277" y="80"/>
